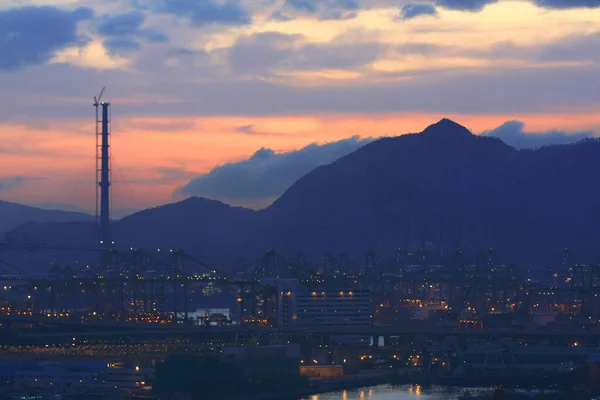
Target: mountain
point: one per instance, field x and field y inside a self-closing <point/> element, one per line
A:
<point x="468" y="190"/>
<point x="198" y="225"/>
<point x="527" y="204"/>
<point x="13" y="215"/>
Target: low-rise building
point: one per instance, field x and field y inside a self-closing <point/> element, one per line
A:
<point x="322" y="371"/>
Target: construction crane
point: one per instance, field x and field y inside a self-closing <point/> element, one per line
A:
<point x="97" y="99"/>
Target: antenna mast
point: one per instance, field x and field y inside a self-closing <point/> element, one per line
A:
<point x="103" y="170"/>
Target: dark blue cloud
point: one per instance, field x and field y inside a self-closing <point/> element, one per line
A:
<point x="513" y="134"/>
<point x="267" y="174"/>
<point x="200" y="12"/>
<point x="155" y="36"/>
<point x="278" y="15"/>
<point x="302" y="5"/>
<point x="344" y="9"/>
<point x="564" y="4"/>
<point x="465" y="5"/>
<point x="123" y="24"/>
<point x="410" y="11"/>
<point x="325" y="9"/>
<point x="127" y="26"/>
<point x="478" y="5"/>
<point x="121" y="45"/>
<point x="32" y="35"/>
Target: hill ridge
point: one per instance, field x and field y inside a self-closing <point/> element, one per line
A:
<point x="469" y="189"/>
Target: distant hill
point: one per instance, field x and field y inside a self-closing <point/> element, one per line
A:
<point x="198" y="225"/>
<point x="472" y="191"/>
<point x="13" y="215"/>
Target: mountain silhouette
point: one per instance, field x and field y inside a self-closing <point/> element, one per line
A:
<point x="12" y="215"/>
<point x="467" y="190"/>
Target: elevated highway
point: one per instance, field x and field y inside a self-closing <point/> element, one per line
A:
<point x="60" y="327"/>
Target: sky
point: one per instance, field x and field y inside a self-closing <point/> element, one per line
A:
<point x="236" y="99"/>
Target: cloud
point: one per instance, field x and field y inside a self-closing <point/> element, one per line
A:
<point x="7" y="183"/>
<point x="264" y="53"/>
<point x="530" y="79"/>
<point x="410" y="11"/>
<point x="278" y="15"/>
<point x="583" y="48"/>
<point x="153" y="125"/>
<point x="302" y="5"/>
<point x="248" y="129"/>
<point x="564" y="4"/>
<point x="504" y="90"/>
<point x="122" y="29"/>
<point x="267" y="174"/>
<point x="431" y="89"/>
<point x="32" y="35"/>
<point x="200" y="12"/>
<point x="573" y="48"/>
<point x="325" y="9"/>
<point x="465" y="5"/>
<point x="258" y="53"/>
<point x="478" y="5"/>
<point x="174" y="174"/>
<point x="154" y="36"/>
<point x="121" y="45"/>
<point x="121" y="25"/>
<point x="160" y="175"/>
<point x="513" y="134"/>
<point x="254" y="130"/>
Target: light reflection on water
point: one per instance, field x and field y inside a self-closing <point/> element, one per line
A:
<point x="392" y="392"/>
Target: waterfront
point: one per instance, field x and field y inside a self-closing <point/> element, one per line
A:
<point x="391" y="392"/>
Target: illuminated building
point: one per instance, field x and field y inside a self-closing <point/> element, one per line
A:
<point x="287" y="304"/>
<point x="334" y="307"/>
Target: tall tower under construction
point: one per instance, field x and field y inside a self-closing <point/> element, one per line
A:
<point x="103" y="169"/>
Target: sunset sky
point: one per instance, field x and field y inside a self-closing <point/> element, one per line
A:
<point x="220" y="98"/>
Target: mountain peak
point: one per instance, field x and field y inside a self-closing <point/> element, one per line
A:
<point x="447" y="128"/>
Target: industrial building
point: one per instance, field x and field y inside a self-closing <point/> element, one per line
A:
<point x="334" y="307"/>
<point x="300" y="306"/>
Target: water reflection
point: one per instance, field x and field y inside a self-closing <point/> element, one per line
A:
<point x="415" y="390"/>
<point x="392" y="392"/>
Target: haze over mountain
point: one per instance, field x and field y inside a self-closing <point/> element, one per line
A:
<point x="12" y="215"/>
<point x="471" y="190"/>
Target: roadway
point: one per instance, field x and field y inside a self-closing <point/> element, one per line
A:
<point x="68" y="327"/>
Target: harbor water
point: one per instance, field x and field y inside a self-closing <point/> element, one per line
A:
<point x="393" y="392"/>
